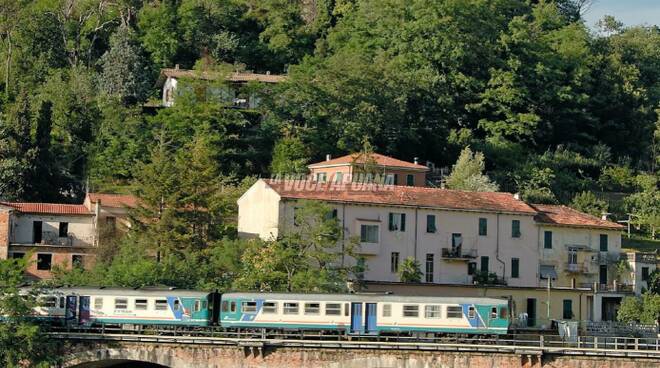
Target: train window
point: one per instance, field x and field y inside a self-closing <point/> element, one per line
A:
<point x="232" y="307"/>
<point x="432" y="311"/>
<point x="493" y="312"/>
<point x="503" y="313"/>
<point x="454" y="311"/>
<point x="332" y="309"/>
<point x="121" y="303"/>
<point x="177" y="305"/>
<point x="49" y="302"/>
<point x="270" y="308"/>
<point x="411" y="310"/>
<point x="61" y="302"/>
<point x="347" y="309"/>
<point x="225" y="306"/>
<point x="205" y="305"/>
<point x="312" y="308"/>
<point x="141" y="304"/>
<point x="160" y="305"/>
<point x="198" y="306"/>
<point x="472" y="313"/>
<point x="98" y="303"/>
<point x="290" y="308"/>
<point x="387" y="310"/>
<point x="249" y="307"/>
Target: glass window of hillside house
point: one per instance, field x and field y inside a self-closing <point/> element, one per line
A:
<point x="17" y="255"/>
<point x="111" y="222"/>
<point x="339" y="177"/>
<point x="483" y="226"/>
<point x="456" y="243"/>
<point x="320" y="177"/>
<point x="484" y="263"/>
<point x="430" y="224"/>
<point x="369" y="233"/>
<point x="603" y="242"/>
<point x="515" y="268"/>
<point x="44" y="261"/>
<point x="645" y="274"/>
<point x="568" y="309"/>
<point x="472" y="268"/>
<point x="410" y="180"/>
<point x="394" y="262"/>
<point x="64" y="229"/>
<point x="515" y="228"/>
<point x="37" y="232"/>
<point x="429" y="267"/>
<point x="397" y="221"/>
<point x="547" y="239"/>
<point x="77" y="261"/>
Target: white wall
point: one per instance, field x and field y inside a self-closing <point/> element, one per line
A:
<point x="170" y="84"/>
<point x="259" y="212"/>
<point x="80" y="227"/>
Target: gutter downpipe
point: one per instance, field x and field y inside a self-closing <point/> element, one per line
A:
<point x="343" y="234"/>
<point x="497" y="248"/>
<point x="415" y="250"/>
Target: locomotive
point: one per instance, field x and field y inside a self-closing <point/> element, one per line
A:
<point x="360" y="314"/>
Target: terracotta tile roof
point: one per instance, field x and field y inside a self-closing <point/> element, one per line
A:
<point x="114" y="200"/>
<point x="560" y="215"/>
<point x="381" y="160"/>
<point x="232" y="77"/>
<point x="49" y="208"/>
<point x="401" y="195"/>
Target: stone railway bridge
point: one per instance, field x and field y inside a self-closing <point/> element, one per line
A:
<point x="91" y="352"/>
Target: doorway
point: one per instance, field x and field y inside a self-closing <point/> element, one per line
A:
<point x="531" y="312"/>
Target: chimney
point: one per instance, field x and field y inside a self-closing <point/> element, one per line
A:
<point x="267" y="72"/>
<point x="416" y="160"/>
<point x="605" y="216"/>
<point x="516" y="196"/>
<point x="328" y="157"/>
<point x="176" y="66"/>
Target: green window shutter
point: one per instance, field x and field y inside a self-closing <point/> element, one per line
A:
<point x="403" y="222"/>
<point x="547" y="240"/>
<point x="410" y="180"/>
<point x="568" y="309"/>
<point x="484" y="264"/>
<point x="515" y="229"/>
<point x="603" y="242"/>
<point x="483" y="226"/>
<point x="391" y="222"/>
<point x="430" y="223"/>
<point x="515" y="268"/>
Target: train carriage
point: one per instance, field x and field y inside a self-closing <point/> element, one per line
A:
<point x="365" y="314"/>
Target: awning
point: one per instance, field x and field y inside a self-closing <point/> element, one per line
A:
<point x="548" y="272"/>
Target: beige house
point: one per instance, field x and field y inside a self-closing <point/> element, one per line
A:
<point x="356" y="166"/>
<point x="59" y="234"/>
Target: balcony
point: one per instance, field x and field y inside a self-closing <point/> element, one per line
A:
<point x="459" y="254"/>
<point x="609" y="288"/>
<point x="610" y="258"/>
<point x="579" y="268"/>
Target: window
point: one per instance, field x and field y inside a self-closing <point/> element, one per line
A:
<point x="49" y="302"/>
<point x="503" y="313"/>
<point x="547" y="239"/>
<point x="515" y="268"/>
<point x="198" y="306"/>
<point x="177" y="305"/>
<point x="411" y="310"/>
<point x="121" y="303"/>
<point x="290" y="308"/>
<point x="361" y="267"/>
<point x="645" y="274"/>
<point x="472" y="313"/>
<point x="141" y="304"/>
<point x="320" y="177"/>
<point x="232" y="307"/>
<point x="332" y="309"/>
<point x="454" y="312"/>
<point x="429" y="267"/>
<point x="493" y="312"/>
<point x="37" y="233"/>
<point x="44" y="261"/>
<point x="98" y="303"/>
<point x="515" y="228"/>
<point x="432" y="311"/>
<point x="312" y="308"/>
<point x="224" y="308"/>
<point x="484" y="264"/>
<point x="389" y="179"/>
<point x="111" y="221"/>
<point x="387" y="310"/>
<point x="77" y="261"/>
<point x="17" y="255"/>
<point x="249" y="307"/>
<point x="568" y="309"/>
<point x="64" y="229"/>
<point x="347" y="309"/>
<point x="369" y="234"/>
<point x="472" y="268"/>
<point x="394" y="262"/>
<point x="572" y="255"/>
<point x="397" y="222"/>
<point x="430" y="224"/>
<point x="483" y="226"/>
<point x="603" y="242"/>
<point x="161" y="305"/>
<point x="410" y="180"/>
<point x="456" y="242"/>
<point x="339" y="177"/>
<point x="270" y="308"/>
<point x="61" y="302"/>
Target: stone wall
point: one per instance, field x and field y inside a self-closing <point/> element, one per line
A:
<point x="4" y="233"/>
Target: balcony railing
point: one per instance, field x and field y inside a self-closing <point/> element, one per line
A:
<point x="609" y="288"/>
<point x="579" y="268"/>
<point x="458" y="253"/>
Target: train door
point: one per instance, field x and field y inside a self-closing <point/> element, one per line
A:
<point x="84" y="315"/>
<point x="356" y="318"/>
<point x="70" y="312"/>
<point x="370" y="316"/>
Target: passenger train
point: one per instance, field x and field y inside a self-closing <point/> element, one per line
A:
<point x="360" y="314"/>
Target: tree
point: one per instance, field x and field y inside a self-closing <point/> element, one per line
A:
<point x="644" y="309"/>
<point x="16" y="152"/>
<point x="290" y="156"/>
<point x="467" y="173"/>
<point x="125" y="71"/>
<point x="645" y="204"/>
<point x="22" y="343"/>
<point x="588" y="203"/>
<point x="410" y="271"/>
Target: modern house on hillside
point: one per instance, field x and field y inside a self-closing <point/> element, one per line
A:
<point x="355" y="166"/>
<point x="60" y="234"/>
<point x="230" y="88"/>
